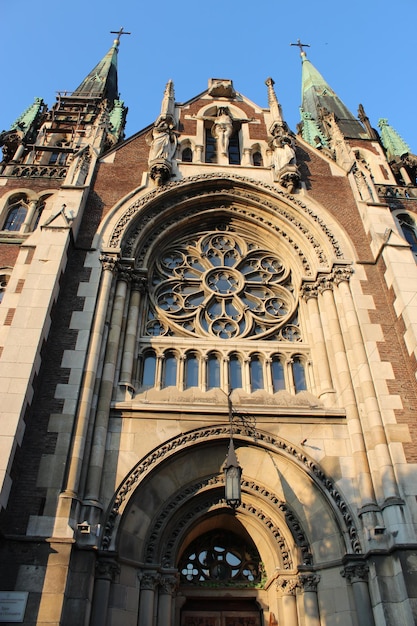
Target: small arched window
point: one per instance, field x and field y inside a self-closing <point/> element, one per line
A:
<point x="169" y="370"/>
<point x="15" y="218"/>
<point x="257" y="159"/>
<point x="408" y="227"/>
<point x="256" y="373"/>
<point x="187" y="155"/>
<point x="277" y="370"/>
<point x="213" y="372"/>
<point x="148" y="369"/>
<point x="235" y="372"/>
<point x="299" y="376"/>
<point x="191" y="371"/>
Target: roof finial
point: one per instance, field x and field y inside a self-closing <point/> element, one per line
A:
<point x="119" y="33"/>
<point x="301" y="46"/>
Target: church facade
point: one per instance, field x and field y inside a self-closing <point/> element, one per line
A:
<point x="208" y="337"/>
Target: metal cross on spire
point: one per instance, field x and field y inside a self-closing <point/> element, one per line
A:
<point x="119" y="33"/>
<point x="300" y="45"/>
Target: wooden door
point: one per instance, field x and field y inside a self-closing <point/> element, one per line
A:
<point x="220" y="618"/>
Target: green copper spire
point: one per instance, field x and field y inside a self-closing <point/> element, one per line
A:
<point x="25" y="122"/>
<point x="311" y="131"/>
<point x="101" y="82"/>
<point x="318" y="97"/>
<point x="391" y="140"/>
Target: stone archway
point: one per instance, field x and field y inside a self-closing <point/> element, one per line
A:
<point x="177" y="493"/>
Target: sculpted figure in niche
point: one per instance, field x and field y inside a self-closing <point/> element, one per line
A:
<point x="162" y="140"/>
<point x="284" y="153"/>
<point x="222" y="130"/>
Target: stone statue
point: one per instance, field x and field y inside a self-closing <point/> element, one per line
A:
<point x="284" y="153"/>
<point x="162" y="140"/>
<point x="284" y="162"/>
<point x="222" y="130"/>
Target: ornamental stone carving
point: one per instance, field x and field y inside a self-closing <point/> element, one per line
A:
<point x="107" y="569"/>
<point x="356" y="572"/>
<point x="308" y="582"/>
<point x="287" y="586"/>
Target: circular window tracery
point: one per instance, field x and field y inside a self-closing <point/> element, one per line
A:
<point x="222" y="559"/>
<point x="222" y="286"/>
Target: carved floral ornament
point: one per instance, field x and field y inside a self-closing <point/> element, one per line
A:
<point x="202" y="435"/>
<point x="245" y="193"/>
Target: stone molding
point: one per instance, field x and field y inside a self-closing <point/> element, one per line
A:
<point x="185" y="440"/>
<point x="154" y="206"/>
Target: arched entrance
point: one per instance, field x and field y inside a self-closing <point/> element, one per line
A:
<point x="191" y="557"/>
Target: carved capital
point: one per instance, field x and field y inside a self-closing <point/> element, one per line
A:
<point x="124" y="273"/>
<point x="139" y="283"/>
<point x="107" y="569"/>
<point x="342" y="273"/>
<point x="356" y="572"/>
<point x="308" y="582"/>
<point x="148" y="580"/>
<point x="108" y="262"/>
<point x="309" y="290"/>
<point x="168" y="584"/>
<point x="287" y="586"/>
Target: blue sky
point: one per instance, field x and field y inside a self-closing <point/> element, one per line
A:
<point x="364" y="49"/>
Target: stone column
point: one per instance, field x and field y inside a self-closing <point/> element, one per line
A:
<point x="287" y="602"/>
<point x="321" y="366"/>
<point x="308" y="598"/>
<point x="148" y="584"/>
<point x="357" y="575"/>
<point x="95" y="467"/>
<point x="289" y="376"/>
<point x="26" y="226"/>
<point x="90" y="370"/>
<point x="159" y="370"/>
<point x="330" y="320"/>
<point x="106" y="571"/>
<point x="138" y="288"/>
<point x="168" y="585"/>
<point x="377" y="436"/>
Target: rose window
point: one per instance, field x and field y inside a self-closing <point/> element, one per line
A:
<point x="219" y="285"/>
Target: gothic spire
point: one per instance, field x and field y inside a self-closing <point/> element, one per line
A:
<point x="319" y="99"/>
<point x="391" y="140"/>
<point x="101" y="82"/>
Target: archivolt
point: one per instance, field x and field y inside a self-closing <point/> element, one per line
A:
<point x="161" y="523"/>
<point x="211" y="433"/>
<point x="189" y="192"/>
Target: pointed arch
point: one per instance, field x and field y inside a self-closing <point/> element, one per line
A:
<point x="149" y="492"/>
